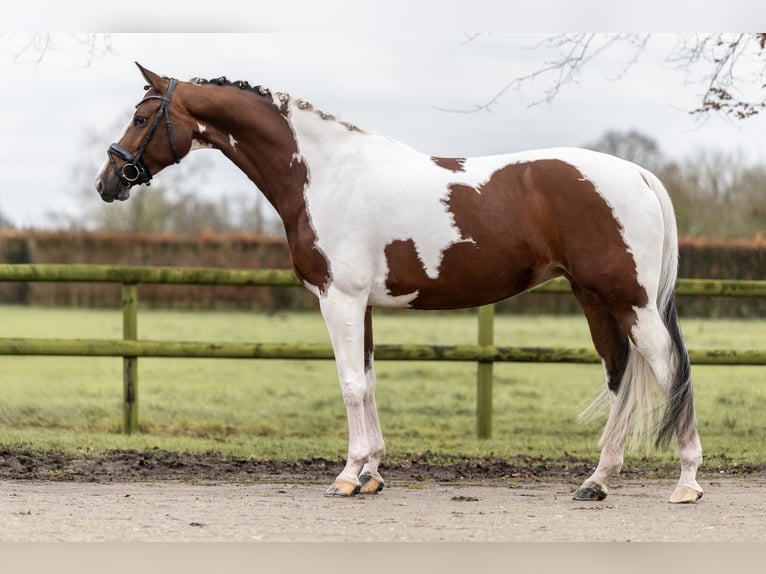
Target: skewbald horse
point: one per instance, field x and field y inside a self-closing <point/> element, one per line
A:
<point x="372" y="222"/>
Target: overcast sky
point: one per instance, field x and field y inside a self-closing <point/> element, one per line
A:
<point x="386" y="82"/>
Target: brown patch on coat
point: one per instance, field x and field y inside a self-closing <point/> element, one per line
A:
<point x="455" y="164"/>
<point x="265" y="153"/>
<point x="609" y="337"/>
<point x="528" y="223"/>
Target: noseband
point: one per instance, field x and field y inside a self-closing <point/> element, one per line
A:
<point x="134" y="171"/>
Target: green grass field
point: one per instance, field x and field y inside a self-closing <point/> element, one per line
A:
<point x="293" y="409"/>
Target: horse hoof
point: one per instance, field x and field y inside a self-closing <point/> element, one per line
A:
<point x="685" y="495"/>
<point x="370" y="485"/>
<point x="343" y="487"/>
<point x="591" y="491"/>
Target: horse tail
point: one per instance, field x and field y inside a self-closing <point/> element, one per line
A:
<point x="679" y="416"/>
<point x="634" y="413"/>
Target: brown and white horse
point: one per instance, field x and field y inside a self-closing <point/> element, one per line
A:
<point x="372" y="222"/>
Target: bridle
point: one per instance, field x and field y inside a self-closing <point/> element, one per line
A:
<point x="134" y="171"/>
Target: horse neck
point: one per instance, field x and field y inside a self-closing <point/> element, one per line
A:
<point x="261" y="143"/>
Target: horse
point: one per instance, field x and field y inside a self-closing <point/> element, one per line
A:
<point x="371" y="222"/>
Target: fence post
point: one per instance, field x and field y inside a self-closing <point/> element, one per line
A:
<point x="130" y="364"/>
<point x="484" y="374"/>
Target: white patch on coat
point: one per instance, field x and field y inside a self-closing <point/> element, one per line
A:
<point x="199" y="144"/>
<point x="357" y="210"/>
<point x="233" y="142"/>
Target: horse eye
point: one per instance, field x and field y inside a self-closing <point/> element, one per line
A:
<point x="139" y="121"/>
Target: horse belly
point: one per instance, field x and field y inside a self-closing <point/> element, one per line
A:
<point x="468" y="276"/>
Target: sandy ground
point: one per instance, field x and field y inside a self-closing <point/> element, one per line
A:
<point x="732" y="509"/>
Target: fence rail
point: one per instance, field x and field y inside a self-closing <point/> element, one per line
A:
<point x="86" y="273"/>
<point x="485" y="353"/>
<point x="310" y="351"/>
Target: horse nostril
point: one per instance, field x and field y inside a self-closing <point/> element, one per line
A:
<point x="100" y="186"/>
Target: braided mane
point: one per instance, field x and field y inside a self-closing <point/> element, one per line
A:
<point x="224" y="81"/>
<point x="265" y="92"/>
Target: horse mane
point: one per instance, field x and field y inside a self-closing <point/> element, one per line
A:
<point x="265" y="92"/>
<point x="224" y="81"/>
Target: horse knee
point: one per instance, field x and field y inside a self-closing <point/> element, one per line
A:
<point x="353" y="392"/>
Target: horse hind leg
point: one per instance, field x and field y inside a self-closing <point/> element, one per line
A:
<point x="661" y="345"/>
<point x="613" y="347"/>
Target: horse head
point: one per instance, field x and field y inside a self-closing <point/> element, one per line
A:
<point x="158" y="135"/>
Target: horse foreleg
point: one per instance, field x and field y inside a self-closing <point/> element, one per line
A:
<point x="371" y="480"/>
<point x="344" y="316"/>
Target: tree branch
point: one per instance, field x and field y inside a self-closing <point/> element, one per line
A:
<point x="728" y="59"/>
<point x="574" y="52"/>
<point x="37" y="46"/>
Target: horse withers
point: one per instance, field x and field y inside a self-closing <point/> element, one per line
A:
<point x="371" y="222"/>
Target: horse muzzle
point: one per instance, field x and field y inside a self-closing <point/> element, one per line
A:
<point x="110" y="188"/>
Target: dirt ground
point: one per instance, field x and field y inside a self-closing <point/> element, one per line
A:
<point x="158" y="496"/>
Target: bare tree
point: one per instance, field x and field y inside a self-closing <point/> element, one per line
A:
<point x="736" y="64"/>
<point x="716" y="192"/>
<point x="35" y="46"/>
<point x="733" y="68"/>
<point x="733" y="65"/>
<point x="631" y="145"/>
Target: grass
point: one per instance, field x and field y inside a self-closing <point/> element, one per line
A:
<point x="293" y="409"/>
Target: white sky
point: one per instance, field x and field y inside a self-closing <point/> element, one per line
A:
<point x="383" y="81"/>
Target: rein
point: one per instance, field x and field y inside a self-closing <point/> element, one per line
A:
<point x="134" y="171"/>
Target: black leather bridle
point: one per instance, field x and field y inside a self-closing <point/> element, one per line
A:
<point x="134" y="171"/>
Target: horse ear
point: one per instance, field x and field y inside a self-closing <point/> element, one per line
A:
<point x="155" y="80"/>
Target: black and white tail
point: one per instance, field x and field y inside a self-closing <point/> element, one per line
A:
<point x="679" y="416"/>
<point x="634" y="414"/>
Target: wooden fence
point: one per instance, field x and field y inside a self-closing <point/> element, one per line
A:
<point x="484" y="353"/>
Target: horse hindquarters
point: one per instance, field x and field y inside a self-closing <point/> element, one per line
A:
<point x="631" y="371"/>
<point x="657" y="354"/>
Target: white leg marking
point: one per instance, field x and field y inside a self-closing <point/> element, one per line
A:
<point x="688" y="489"/>
<point x="374" y="434"/>
<point x="653" y="342"/>
<point x="609" y="463"/>
<point x="344" y="316"/>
